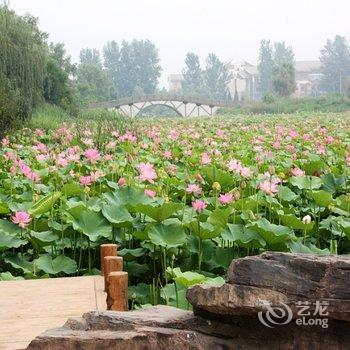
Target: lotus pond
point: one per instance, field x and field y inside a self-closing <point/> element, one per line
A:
<point x="180" y="197"/>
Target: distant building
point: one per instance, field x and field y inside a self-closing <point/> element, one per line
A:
<point x="175" y="82"/>
<point x="307" y="77"/>
<point x="245" y="80"/>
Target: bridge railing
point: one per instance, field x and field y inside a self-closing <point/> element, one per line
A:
<point x="163" y="97"/>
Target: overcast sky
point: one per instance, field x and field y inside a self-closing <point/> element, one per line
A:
<point x="230" y="28"/>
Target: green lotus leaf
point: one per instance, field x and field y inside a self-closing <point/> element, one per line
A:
<point x="292" y="221"/>
<point x="45" y="204"/>
<point x="10" y="241"/>
<point x="92" y="224"/>
<point x="54" y="266"/>
<point x="160" y="212"/>
<point x="117" y="214"/>
<point x="298" y="247"/>
<point x="45" y="236"/>
<point x="306" y="182"/>
<point x="20" y="263"/>
<point x="243" y="236"/>
<point x="205" y="230"/>
<point x="219" y="216"/>
<point x="72" y="189"/>
<point x="286" y="194"/>
<point x="128" y="196"/>
<point x="322" y="198"/>
<point x="131" y="254"/>
<point x="9" y="227"/>
<point x="331" y="183"/>
<point x="167" y="235"/>
<point x="7" y="276"/>
<point x="271" y="233"/>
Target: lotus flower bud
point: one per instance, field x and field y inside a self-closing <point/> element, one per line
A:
<point x="306" y="219"/>
<point x="272" y="169"/>
<point x="216" y="186"/>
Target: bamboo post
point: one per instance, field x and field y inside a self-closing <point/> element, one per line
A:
<point x="117" y="293"/>
<point x="107" y="250"/>
<point x="111" y="264"/>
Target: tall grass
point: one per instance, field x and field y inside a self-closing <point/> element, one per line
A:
<point x="48" y="117"/>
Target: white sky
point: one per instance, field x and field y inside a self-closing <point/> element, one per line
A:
<point x="230" y="28"/>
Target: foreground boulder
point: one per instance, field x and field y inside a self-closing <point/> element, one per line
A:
<point x="258" y="308"/>
<point x="273" y="278"/>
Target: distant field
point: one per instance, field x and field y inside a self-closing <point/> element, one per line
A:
<point x="181" y="197"/>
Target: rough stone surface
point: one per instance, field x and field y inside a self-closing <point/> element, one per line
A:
<point x="164" y="327"/>
<point x="226" y="317"/>
<point x="299" y="277"/>
<point x="230" y="299"/>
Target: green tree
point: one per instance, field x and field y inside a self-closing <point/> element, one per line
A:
<point x="192" y="83"/>
<point x="282" y="54"/>
<point x="90" y="56"/>
<point x="92" y="81"/>
<point x="265" y="67"/>
<point x="335" y="59"/>
<point x="283" y="75"/>
<point x="10" y="106"/>
<point x="111" y="60"/>
<point x="138" y="68"/>
<point x="216" y="77"/>
<point x="146" y="65"/>
<point x="283" y="79"/>
<point x="23" y="58"/>
<point x="57" y="85"/>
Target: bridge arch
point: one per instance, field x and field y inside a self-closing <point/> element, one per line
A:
<point x="186" y="106"/>
<point x="150" y="105"/>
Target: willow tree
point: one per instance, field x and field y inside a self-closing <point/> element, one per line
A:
<point x="23" y="56"/>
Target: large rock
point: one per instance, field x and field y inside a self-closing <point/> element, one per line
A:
<point x="274" y="278"/>
<point x="164" y="327"/>
<point x="236" y="315"/>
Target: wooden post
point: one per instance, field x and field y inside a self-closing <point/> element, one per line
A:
<point x="107" y="250"/>
<point x="111" y="264"/>
<point x="117" y="293"/>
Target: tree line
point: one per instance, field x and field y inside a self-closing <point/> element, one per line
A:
<point x="33" y="71"/>
<point x="277" y="67"/>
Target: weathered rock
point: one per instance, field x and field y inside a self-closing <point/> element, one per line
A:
<point x="234" y="300"/>
<point x="299" y="277"/>
<point x="226" y="317"/>
<point x="164" y="327"/>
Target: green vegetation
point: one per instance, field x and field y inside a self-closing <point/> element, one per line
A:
<point x="180" y="197"/>
<point x="273" y="105"/>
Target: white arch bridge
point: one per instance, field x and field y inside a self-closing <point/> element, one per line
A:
<point x="184" y="106"/>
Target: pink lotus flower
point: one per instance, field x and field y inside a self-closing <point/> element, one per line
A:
<point x="199" y="205"/>
<point x="193" y="188"/>
<point x="21" y="218"/>
<point x="150" y="193"/>
<point x="167" y="154"/>
<point x="199" y="177"/>
<point x="270" y="186"/>
<point x="205" y="159"/>
<point x="174" y="134"/>
<point x="92" y="155"/>
<point x="147" y="173"/>
<point x="5" y="142"/>
<point x="226" y="198"/>
<point x="85" y="180"/>
<point x="121" y="182"/>
<point x="96" y="175"/>
<point x="297" y="172"/>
